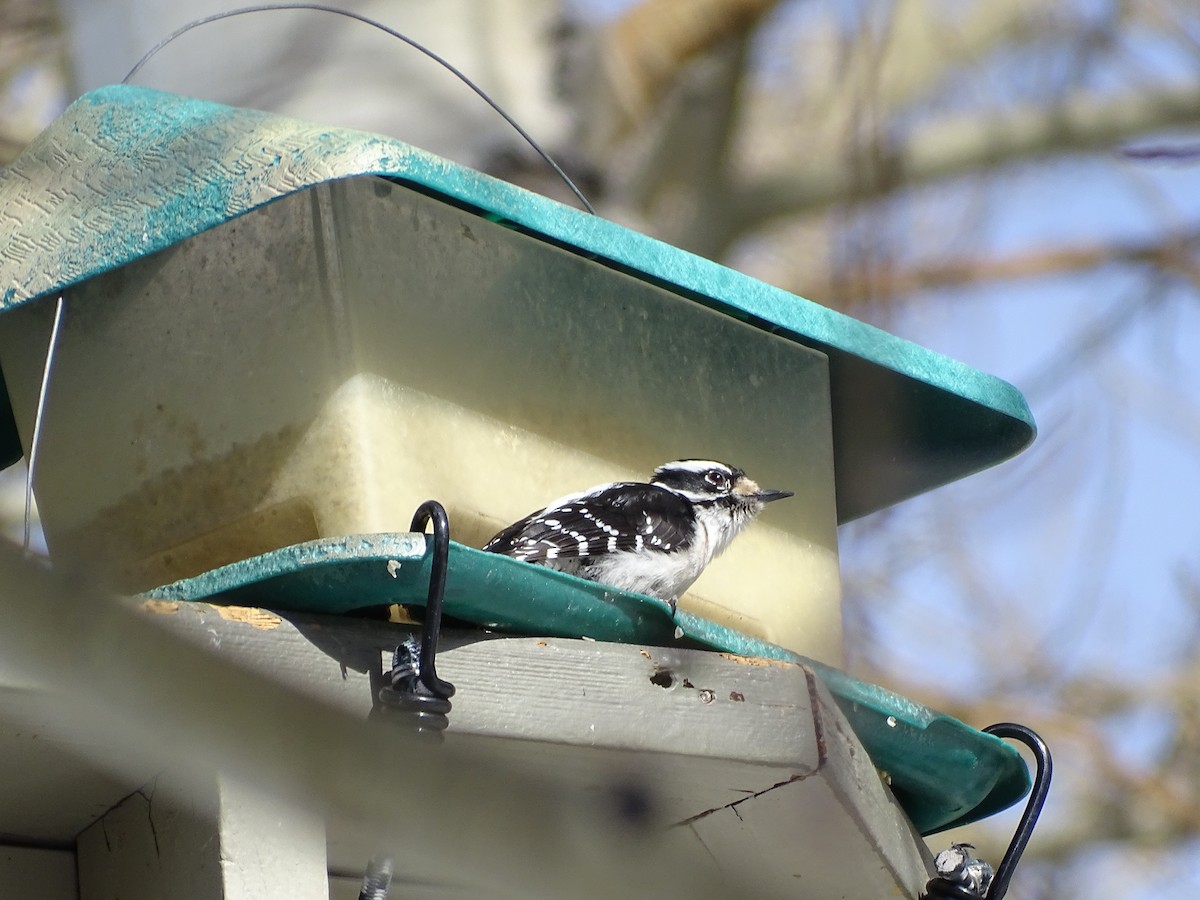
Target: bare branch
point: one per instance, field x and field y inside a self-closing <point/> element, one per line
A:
<point x="953" y="147"/>
<point x="921" y="49"/>
<point x="1170" y="252"/>
<point x="642" y="53"/>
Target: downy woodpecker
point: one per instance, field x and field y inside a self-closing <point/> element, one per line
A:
<point x="651" y="538"/>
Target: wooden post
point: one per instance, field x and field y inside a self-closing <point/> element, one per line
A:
<point x="37" y="872"/>
<point x="202" y="839"/>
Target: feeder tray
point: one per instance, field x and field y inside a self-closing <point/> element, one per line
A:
<point x="943" y="772"/>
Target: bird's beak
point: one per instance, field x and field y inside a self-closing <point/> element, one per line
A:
<point x="750" y="490"/>
<point x="766" y="496"/>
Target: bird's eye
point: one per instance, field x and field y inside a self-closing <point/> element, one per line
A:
<point x="717" y="478"/>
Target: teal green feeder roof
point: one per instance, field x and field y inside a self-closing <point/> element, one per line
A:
<point x="128" y="171"/>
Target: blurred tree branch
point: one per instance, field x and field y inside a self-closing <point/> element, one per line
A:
<point x="952" y="147"/>
<point x="870" y="127"/>
<point x="644" y="50"/>
<point x="1172" y="252"/>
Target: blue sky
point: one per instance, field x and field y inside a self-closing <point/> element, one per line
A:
<point x="1104" y="453"/>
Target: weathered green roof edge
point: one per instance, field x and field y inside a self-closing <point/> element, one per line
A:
<point x="127" y="171"/>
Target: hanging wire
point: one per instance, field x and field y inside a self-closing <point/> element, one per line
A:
<point x="320" y="7"/>
<point x="35" y="442"/>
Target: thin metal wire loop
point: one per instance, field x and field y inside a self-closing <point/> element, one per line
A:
<point x="359" y="17"/>
<point x="36" y="440"/>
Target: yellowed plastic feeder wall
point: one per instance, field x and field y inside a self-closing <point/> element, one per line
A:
<point x="325" y="363"/>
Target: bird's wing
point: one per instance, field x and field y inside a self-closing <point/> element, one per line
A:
<point x="609" y="519"/>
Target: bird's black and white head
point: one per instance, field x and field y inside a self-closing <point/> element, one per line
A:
<point x="706" y="482"/>
<point x="723" y="498"/>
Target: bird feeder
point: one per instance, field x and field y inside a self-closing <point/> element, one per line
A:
<point x="270" y="341"/>
<point x="277" y="332"/>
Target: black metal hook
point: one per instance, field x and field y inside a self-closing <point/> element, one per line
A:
<point x="942" y="887"/>
<point x="412" y="692"/>
<point x="432" y="627"/>
<point x="1033" y="808"/>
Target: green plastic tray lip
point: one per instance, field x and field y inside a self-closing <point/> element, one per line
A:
<point x="169" y="167"/>
<point x="339" y="574"/>
<point x="943" y="772"/>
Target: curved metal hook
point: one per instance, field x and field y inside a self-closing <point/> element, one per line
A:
<point x="427" y="511"/>
<point x="1033" y="808"/>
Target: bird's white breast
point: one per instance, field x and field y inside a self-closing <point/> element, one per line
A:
<point x="669" y="575"/>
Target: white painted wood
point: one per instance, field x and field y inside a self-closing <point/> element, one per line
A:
<point x="149" y="847"/>
<point x="548" y="689"/>
<point x="51" y="784"/>
<point x="747" y="762"/>
<point x="571" y="768"/>
<point x="741" y="763"/>
<point x="228" y="841"/>
<point x="270" y="847"/>
<point x="37" y="874"/>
